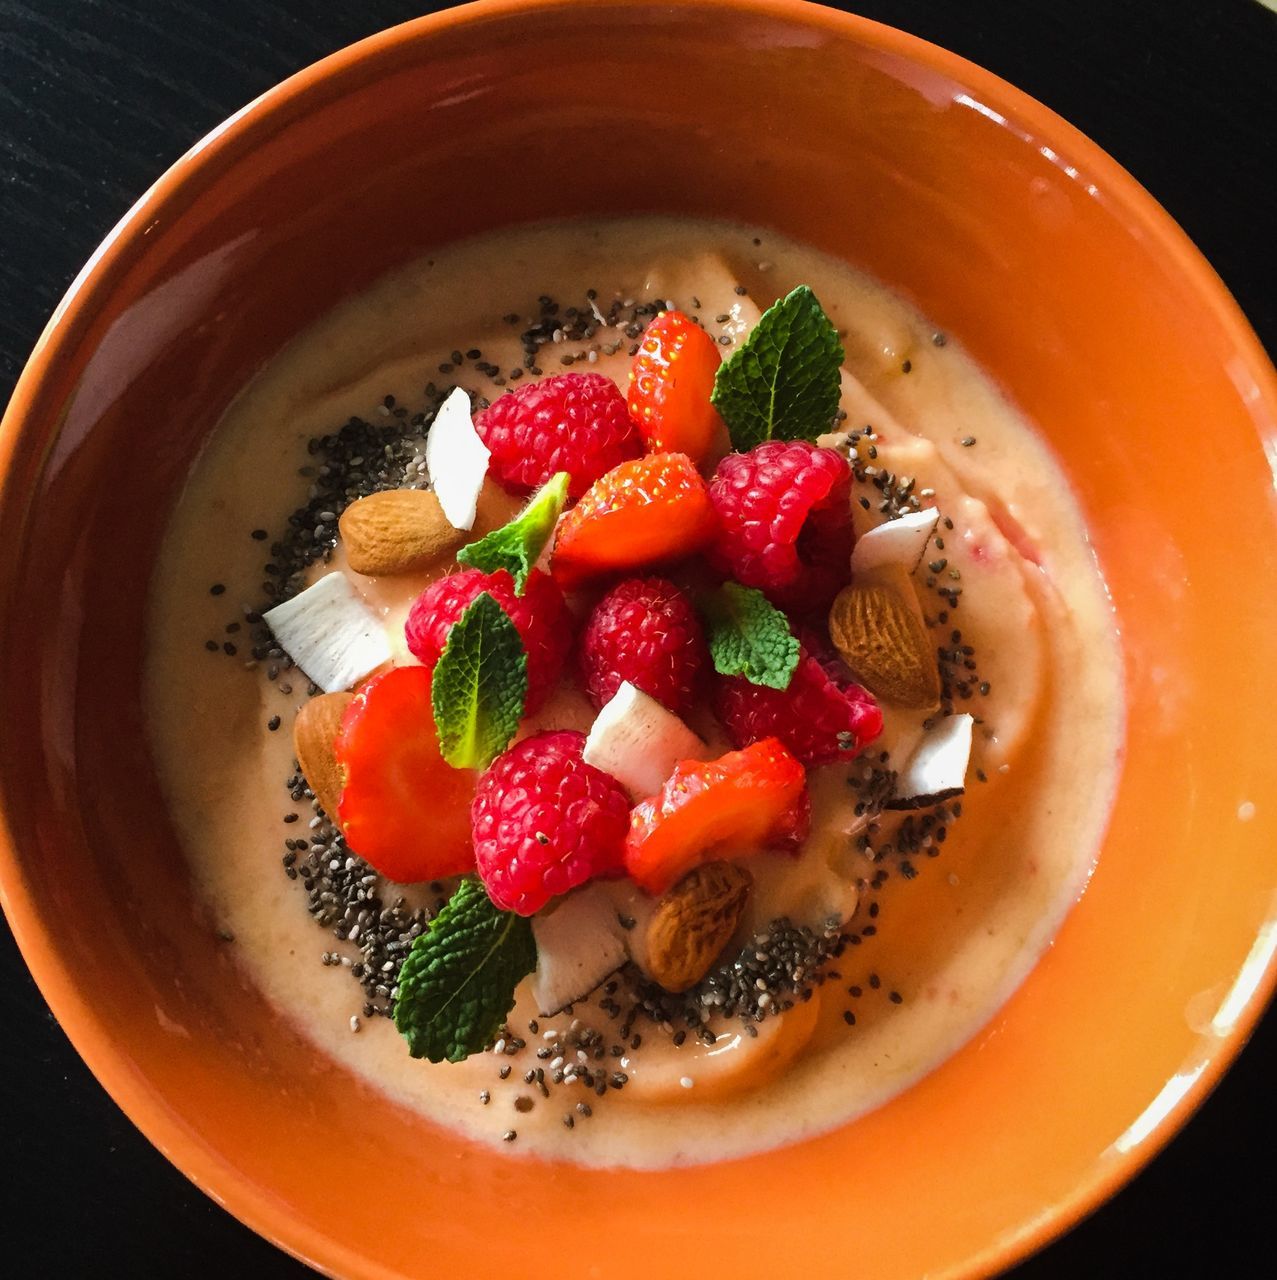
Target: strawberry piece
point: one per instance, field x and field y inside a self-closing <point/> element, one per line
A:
<point x="670" y="384"/>
<point x="757" y="796"/>
<point x="403" y="808"/>
<point x="646" y="512"/>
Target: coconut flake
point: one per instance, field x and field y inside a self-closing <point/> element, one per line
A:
<point x="579" y="943"/>
<point x="330" y="633"/>
<point x="902" y="541"/>
<point x="937" y="770"/>
<point x="456" y="460"/>
<point x="638" y="741"/>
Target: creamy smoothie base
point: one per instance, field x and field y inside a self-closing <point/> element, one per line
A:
<point x="942" y="932"/>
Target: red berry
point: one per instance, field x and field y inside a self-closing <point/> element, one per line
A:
<point x="727" y="806"/>
<point x="824" y="715"/>
<point x="784" y="512"/>
<point x="644" y="631"/>
<point x="670" y="384"/>
<point x="539" y="615"/>
<point x="402" y="808"/>
<point x="648" y="511"/>
<point x="544" y="821"/>
<point x="573" y="422"/>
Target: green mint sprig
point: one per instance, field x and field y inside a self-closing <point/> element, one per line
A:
<point x="480" y="685"/>
<point x="516" y="546"/>
<point x="457" y="984"/>
<point x="748" y="636"/>
<point x="782" y="383"/>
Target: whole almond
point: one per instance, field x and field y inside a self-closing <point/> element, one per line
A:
<point x="314" y="736"/>
<point x="398" y="531"/>
<point x="693" y="922"/>
<point x="877" y="631"/>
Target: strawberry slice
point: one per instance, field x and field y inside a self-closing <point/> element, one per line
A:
<point x="642" y="513"/>
<point x="670" y="383"/>
<point x="402" y="808"/>
<point x="732" y="805"/>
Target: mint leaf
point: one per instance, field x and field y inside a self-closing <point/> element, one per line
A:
<point x="782" y="383"/>
<point x="749" y="636"/>
<point x="456" y="985"/>
<point x="516" y="546"/>
<point x="479" y="686"/>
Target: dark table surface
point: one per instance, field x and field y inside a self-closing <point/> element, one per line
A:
<point x="98" y="96"/>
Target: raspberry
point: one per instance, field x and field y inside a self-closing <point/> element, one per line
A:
<point x="539" y="615"/>
<point x="644" y="631"/>
<point x="824" y="715"/>
<point x="784" y="513"/>
<point x="573" y="422"/>
<point x="544" y="821"/>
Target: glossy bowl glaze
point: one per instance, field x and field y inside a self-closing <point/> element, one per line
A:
<point x="1004" y="225"/>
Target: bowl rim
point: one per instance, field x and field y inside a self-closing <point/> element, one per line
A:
<point x="200" y="165"/>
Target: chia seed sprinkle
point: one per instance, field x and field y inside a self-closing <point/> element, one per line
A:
<point x="347" y="897"/>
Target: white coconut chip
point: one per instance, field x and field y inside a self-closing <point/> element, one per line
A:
<point x="579" y="943"/>
<point x="937" y="770"/>
<point x="330" y="633"/>
<point x="456" y="460"/>
<point x="638" y="741"/>
<point x="902" y="541"/>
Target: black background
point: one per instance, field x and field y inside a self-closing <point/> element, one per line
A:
<point x="98" y="96"/>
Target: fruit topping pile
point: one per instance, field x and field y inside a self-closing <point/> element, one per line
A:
<point x="685" y="565"/>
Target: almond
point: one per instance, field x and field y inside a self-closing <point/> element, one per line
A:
<point x="314" y="736"/>
<point x="397" y="531"/>
<point x="693" y="922"/>
<point x="877" y="629"/>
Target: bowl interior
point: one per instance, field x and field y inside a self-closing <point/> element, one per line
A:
<point x="1003" y="225"/>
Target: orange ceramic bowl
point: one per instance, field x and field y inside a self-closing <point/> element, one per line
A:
<point x="1003" y="224"/>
